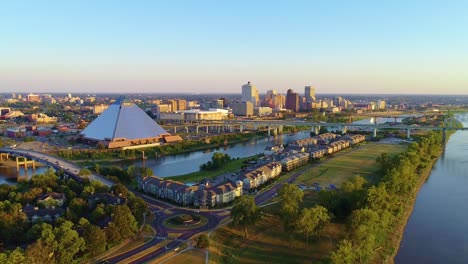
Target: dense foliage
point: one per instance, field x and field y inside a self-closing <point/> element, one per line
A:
<point x="374" y="213"/>
<point x="77" y="234"/>
<point x="218" y="160"/>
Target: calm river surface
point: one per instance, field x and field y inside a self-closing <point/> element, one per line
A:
<point x="437" y="231"/>
<point x="190" y="162"/>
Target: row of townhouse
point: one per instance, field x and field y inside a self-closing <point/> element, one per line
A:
<point x="335" y="146"/>
<point x="197" y="195"/>
<point x="306" y="142"/>
<point x="255" y="178"/>
<point x="326" y="136"/>
<point x="354" y="139"/>
<point x="295" y="161"/>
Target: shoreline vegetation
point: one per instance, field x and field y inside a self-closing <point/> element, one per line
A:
<point x="409" y="207"/>
<point x="106" y="155"/>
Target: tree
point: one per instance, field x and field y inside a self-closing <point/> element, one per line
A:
<point x="344" y="254"/>
<point x="313" y="221"/>
<point x="290" y="198"/>
<point x="119" y="189"/>
<point x="69" y="243"/>
<point x="203" y="241"/>
<point x="124" y="221"/>
<point x="56" y="245"/>
<point x="84" y="172"/>
<point x="138" y="207"/>
<point x="245" y="212"/>
<point x="95" y="239"/>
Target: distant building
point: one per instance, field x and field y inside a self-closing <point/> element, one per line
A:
<point x="41" y="118"/>
<point x="309" y="93"/>
<point x="211" y="114"/>
<point x="381" y="104"/>
<point x="218" y="104"/>
<point x="250" y="94"/>
<point x="243" y="109"/>
<point x="292" y="101"/>
<point x="33" y="98"/>
<point x="16" y="132"/>
<point x="97" y="109"/>
<point x="263" y="111"/>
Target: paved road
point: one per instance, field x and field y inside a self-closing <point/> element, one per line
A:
<point x="66" y="166"/>
<point x="163" y="211"/>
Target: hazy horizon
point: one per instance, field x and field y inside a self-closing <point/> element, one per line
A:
<point x="399" y="47"/>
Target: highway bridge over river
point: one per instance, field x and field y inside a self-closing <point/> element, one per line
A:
<point x="69" y="168"/>
<point x="276" y="126"/>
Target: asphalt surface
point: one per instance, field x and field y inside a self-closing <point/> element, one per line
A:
<point x="162" y="212"/>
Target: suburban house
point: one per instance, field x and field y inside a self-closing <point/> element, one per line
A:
<point x="105" y="198"/>
<point x="34" y="214"/>
<point x="53" y="199"/>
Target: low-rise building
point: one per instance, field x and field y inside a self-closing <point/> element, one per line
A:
<point x="295" y="161"/>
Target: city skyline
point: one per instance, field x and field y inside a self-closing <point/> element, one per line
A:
<point x="206" y="47"/>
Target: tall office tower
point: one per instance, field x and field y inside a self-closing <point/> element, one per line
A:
<point x="270" y="94"/>
<point x="279" y="101"/>
<point x="309" y="93"/>
<point x="250" y="94"/>
<point x="292" y="100"/>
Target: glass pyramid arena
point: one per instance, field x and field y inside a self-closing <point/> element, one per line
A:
<point x="123" y="122"/>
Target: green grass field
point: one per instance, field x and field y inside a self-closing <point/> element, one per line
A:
<point x="267" y="244"/>
<point x="232" y="166"/>
<point x="360" y="161"/>
<point x="192" y="256"/>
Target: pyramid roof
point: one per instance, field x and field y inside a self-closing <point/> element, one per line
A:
<point x="123" y="120"/>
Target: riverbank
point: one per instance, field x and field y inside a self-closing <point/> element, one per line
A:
<point x="116" y="155"/>
<point x="400" y="227"/>
<point x="408" y="210"/>
<point x="232" y="166"/>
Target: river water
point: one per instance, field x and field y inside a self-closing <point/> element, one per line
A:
<point x="190" y="162"/>
<point x="437" y="231"/>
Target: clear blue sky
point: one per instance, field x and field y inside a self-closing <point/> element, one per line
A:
<point x="216" y="46"/>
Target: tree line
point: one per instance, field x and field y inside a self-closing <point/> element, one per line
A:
<point x="78" y="233"/>
<point x="376" y="211"/>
